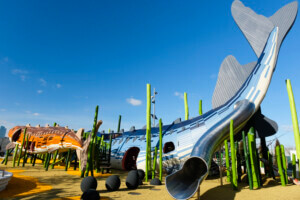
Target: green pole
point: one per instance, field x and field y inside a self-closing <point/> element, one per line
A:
<point x="284" y="163"/>
<point x="252" y="150"/>
<point x="45" y="159"/>
<point x="186" y="107"/>
<point x="25" y="152"/>
<point x="109" y="150"/>
<point x="48" y="162"/>
<point x="119" y="124"/>
<point x="200" y="107"/>
<point x="70" y="159"/>
<point x="67" y="160"/>
<point x="160" y="150"/>
<point x="34" y="159"/>
<point x="89" y="166"/>
<point x="94" y="136"/>
<point x="154" y="163"/>
<point x="280" y="166"/>
<point x="23" y="141"/>
<point x="294" y="116"/>
<point x="148" y="132"/>
<point x="54" y="159"/>
<point x="246" y="153"/>
<point x="258" y="166"/>
<point x="102" y="140"/>
<point x="233" y="157"/>
<point x="15" y="154"/>
<point x="227" y="161"/>
<point x="294" y="165"/>
<point x="6" y="156"/>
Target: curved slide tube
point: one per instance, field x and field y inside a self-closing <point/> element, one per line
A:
<point x="184" y="183"/>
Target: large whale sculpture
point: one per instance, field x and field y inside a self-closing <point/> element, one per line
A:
<point x="238" y="94"/>
<point x="188" y="145"/>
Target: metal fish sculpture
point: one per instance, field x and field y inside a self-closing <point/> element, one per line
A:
<point x="188" y="146"/>
<point x="238" y="93"/>
<point x="46" y="139"/>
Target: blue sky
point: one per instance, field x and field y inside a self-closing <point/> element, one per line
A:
<point x="59" y="59"/>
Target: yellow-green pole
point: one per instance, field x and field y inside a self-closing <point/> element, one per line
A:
<point x="284" y="163"/>
<point x="279" y="164"/>
<point x="246" y="155"/>
<point x="15" y="154"/>
<point x="294" y="165"/>
<point x="148" y="132"/>
<point x="294" y="116"/>
<point x="227" y="161"/>
<point x="22" y="145"/>
<point x="200" y="107"/>
<point x="254" y="165"/>
<point x="25" y="151"/>
<point x="233" y="157"/>
<point x="91" y="150"/>
<point x="186" y="107"/>
<point x="54" y="159"/>
<point x="160" y="150"/>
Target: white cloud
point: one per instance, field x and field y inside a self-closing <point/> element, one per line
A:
<point x="43" y="82"/>
<point x="179" y="94"/>
<point x="58" y="85"/>
<point x="30" y="113"/>
<point x="2" y="109"/>
<point x="21" y="73"/>
<point x="39" y="91"/>
<point x="287" y="128"/>
<point x="134" y="102"/>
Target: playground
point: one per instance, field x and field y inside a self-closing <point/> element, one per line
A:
<point x="219" y="154"/>
<point x="36" y="183"/>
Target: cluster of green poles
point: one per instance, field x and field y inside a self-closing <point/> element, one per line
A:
<point x="251" y="160"/>
<point x="98" y="151"/>
<point x="250" y="157"/>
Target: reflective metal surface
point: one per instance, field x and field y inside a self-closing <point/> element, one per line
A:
<point x="185" y="182"/>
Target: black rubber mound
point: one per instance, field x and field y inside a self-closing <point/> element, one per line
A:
<point x="132" y="180"/>
<point x="90" y="194"/>
<point x="141" y="174"/>
<point x="155" y="181"/>
<point x="87" y="183"/>
<point x="140" y="182"/>
<point x="112" y="183"/>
